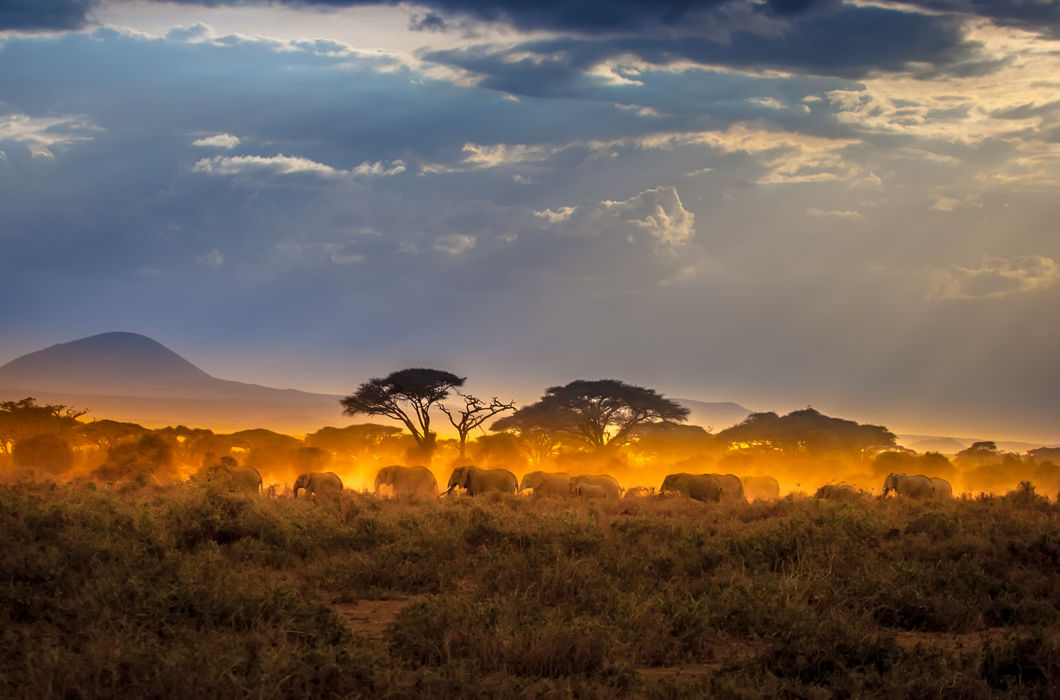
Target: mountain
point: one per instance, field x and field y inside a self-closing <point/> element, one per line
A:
<point x="127" y="376"/>
<point x="953" y="445"/>
<point x="717" y="415"/>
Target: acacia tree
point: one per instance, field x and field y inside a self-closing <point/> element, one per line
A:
<point x="602" y="413"/>
<point x="23" y="419"/>
<point x="408" y="396"/>
<point x="536" y="427"/>
<point x="474" y="413"/>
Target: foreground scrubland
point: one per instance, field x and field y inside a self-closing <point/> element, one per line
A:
<point x="188" y="592"/>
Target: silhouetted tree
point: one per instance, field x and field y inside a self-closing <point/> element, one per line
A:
<point x="501" y="449"/>
<point x="537" y="428"/>
<point x="474" y="413"/>
<point x="25" y="418"/>
<point x="1045" y="454"/>
<point x="667" y="439"/>
<point x="151" y="456"/>
<point x="600" y="413"/>
<point x="353" y="440"/>
<point x="981" y="452"/>
<point x="105" y="433"/>
<point x="808" y="430"/>
<point x="45" y="452"/>
<point x="408" y="396"/>
<point x="311" y="459"/>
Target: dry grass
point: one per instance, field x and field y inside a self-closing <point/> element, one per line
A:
<point x="184" y="592"/>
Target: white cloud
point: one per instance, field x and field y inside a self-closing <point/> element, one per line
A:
<point x="454" y="243"/>
<point x="945" y="204"/>
<point x="657" y="212"/>
<point x="226" y="141"/>
<point x="288" y="165"/>
<point x="40" y="134"/>
<point x="379" y="169"/>
<point x="341" y="258"/>
<point x="789" y="157"/>
<point x="479" y="156"/>
<point x="213" y="259"/>
<point x="555" y="216"/>
<point x="771" y="102"/>
<point x="997" y="277"/>
<point x="852" y="215"/>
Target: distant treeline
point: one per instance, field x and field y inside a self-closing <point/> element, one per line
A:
<point x="803" y="450"/>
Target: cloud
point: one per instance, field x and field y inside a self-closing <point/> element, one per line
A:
<point x="853" y="42"/>
<point x="42" y="134"/>
<point x="44" y="14"/>
<point x="226" y="141"/>
<point x="835" y="214"/>
<point x="1033" y="16"/>
<point x="998" y="277"/>
<point x="944" y="203"/>
<point x="289" y="165"/>
<point x="379" y="169"/>
<point x="454" y="243"/>
<point x="656" y="212"/>
<point x="786" y="157"/>
<point x="214" y="258"/>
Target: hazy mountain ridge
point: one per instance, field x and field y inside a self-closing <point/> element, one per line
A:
<point x="716" y="415"/>
<point x="127" y="376"/>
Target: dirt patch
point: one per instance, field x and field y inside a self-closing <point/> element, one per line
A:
<point x="654" y="674"/>
<point x="724" y="650"/>
<point x="369" y="618"/>
<point x="952" y="642"/>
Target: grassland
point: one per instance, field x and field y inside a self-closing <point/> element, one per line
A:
<point x="187" y="592"/>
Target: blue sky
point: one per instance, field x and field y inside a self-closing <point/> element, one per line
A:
<point x="847" y="205"/>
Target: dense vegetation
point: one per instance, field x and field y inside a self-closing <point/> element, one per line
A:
<point x="188" y="591"/>
<point x="803" y="450"/>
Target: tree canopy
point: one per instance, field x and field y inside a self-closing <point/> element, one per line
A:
<point x="600" y="413"/>
<point x="808" y="429"/>
<point x="408" y="396"/>
<point x="26" y="418"/>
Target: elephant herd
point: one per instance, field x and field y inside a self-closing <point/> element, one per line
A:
<point x="419" y="483"/>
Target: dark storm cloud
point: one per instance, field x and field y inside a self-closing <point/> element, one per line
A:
<point x="586" y="17"/>
<point x="44" y="14"/>
<point x="852" y="43"/>
<point x="819" y="37"/>
<point x="1040" y="17"/>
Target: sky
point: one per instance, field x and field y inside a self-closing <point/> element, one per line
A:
<point x="782" y="203"/>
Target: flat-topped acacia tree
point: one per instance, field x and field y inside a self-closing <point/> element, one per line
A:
<point x="408" y="396"/>
<point x="602" y="413"/>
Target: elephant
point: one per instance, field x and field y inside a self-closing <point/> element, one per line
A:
<point x="476" y="480"/>
<point x="836" y="492"/>
<point x="918" y="486"/>
<point x="761" y="488"/>
<point x="406" y="482"/>
<point x="608" y="483"/>
<point x="318" y="484"/>
<point x="587" y="490"/>
<point x="231" y="476"/>
<point x="546" y="484"/>
<point x="731" y="487"/>
<point x="700" y="487"/>
<point x="943" y="489"/>
<point x="638" y="492"/>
